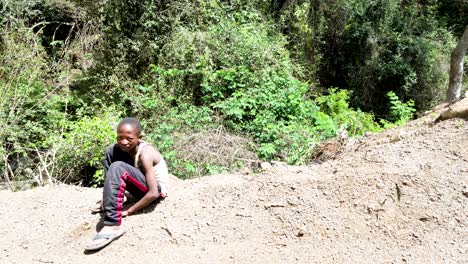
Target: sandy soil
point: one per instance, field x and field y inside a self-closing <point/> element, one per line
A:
<point x="396" y="197"/>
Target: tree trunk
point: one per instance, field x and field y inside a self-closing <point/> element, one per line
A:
<point x="456" y="67"/>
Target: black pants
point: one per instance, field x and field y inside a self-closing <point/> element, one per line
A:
<point x="121" y="175"/>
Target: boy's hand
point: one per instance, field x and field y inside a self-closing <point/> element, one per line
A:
<point x="125" y="213"/>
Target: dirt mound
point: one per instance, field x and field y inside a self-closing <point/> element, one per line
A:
<point x="395" y="197"/>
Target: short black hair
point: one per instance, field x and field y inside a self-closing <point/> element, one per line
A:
<point x="133" y="122"/>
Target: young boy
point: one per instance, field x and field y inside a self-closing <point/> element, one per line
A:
<point x="131" y="165"/>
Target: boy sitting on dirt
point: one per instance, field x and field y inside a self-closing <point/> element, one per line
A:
<point x="130" y="165"/>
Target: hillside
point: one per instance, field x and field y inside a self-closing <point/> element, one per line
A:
<point x="396" y="197"/>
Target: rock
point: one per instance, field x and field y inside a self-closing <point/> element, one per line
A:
<point x="279" y="164"/>
<point x="301" y="232"/>
<point x="456" y="110"/>
<point x="465" y="191"/>
<point x="245" y="171"/>
<point x="266" y="166"/>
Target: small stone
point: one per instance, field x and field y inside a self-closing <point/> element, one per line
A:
<point x="86" y="226"/>
<point x="245" y="171"/>
<point x="301" y="232"/>
<point x="465" y="191"/>
<point x="265" y="166"/>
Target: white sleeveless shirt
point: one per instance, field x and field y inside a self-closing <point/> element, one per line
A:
<point x="159" y="170"/>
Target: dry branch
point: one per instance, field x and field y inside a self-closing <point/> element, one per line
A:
<point x="214" y="146"/>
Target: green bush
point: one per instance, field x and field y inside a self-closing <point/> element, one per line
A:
<point x="79" y="148"/>
<point x="255" y="93"/>
<point x="336" y="114"/>
<point x="166" y="124"/>
<point x="30" y="107"/>
<point x="285" y="125"/>
<point x="400" y="113"/>
<point x="373" y="47"/>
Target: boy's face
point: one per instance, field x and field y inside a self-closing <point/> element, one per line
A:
<point x="127" y="137"/>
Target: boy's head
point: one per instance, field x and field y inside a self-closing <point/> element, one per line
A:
<point x="132" y="122"/>
<point x="128" y="134"/>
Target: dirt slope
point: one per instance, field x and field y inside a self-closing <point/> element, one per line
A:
<point x="396" y="197"/>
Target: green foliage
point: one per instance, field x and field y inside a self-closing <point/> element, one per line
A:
<point x="28" y="110"/>
<point x="261" y="97"/>
<point x="400" y="113"/>
<point x="270" y="111"/>
<point x="342" y="117"/>
<point x="165" y="124"/>
<point x="262" y="70"/>
<point x="452" y="14"/>
<point x="79" y="148"/>
<point x="372" y="47"/>
<point x="285" y="126"/>
<point x="255" y="92"/>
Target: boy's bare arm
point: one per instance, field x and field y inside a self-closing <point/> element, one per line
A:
<point x="147" y="156"/>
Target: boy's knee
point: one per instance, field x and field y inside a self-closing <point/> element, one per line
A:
<point x="117" y="166"/>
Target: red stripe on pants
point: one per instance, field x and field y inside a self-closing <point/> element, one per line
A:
<point x="137" y="184"/>
<point x="120" y="195"/>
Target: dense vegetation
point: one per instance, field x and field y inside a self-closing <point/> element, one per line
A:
<point x="216" y="84"/>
